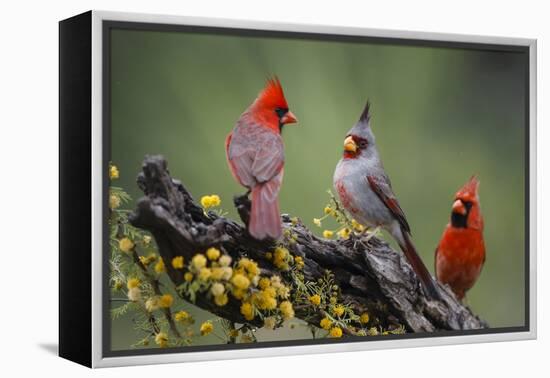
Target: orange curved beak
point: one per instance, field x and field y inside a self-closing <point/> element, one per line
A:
<point x="459" y="208"/>
<point x="350" y="145"/>
<point x="289" y="118"/>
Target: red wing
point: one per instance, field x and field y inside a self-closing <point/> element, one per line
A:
<point x="382" y="187"/>
<point x="255" y="154"/>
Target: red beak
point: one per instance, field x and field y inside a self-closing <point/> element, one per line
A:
<point x="459" y="208"/>
<point x="289" y="118"/>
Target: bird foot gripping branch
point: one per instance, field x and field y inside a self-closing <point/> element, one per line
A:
<point x="369" y="278"/>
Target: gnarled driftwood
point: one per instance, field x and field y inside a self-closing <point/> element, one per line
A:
<point x="371" y="275"/>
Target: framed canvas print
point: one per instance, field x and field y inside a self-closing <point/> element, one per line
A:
<point x="225" y="189"/>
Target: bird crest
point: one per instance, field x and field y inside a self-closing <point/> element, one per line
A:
<point x="365" y="115"/>
<point x="272" y="95"/>
<point x="469" y="190"/>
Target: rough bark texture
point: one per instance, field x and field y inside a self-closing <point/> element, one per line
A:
<point x="372" y="276"/>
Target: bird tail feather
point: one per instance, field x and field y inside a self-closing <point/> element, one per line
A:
<point x="419" y="268"/>
<point x="265" y="219"/>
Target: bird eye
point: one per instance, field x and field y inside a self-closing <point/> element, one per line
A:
<point x="363" y="144"/>
<point x="281" y="112"/>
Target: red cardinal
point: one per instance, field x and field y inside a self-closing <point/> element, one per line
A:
<point x="460" y="254"/>
<point x="255" y="153"/>
<point x="365" y="191"/>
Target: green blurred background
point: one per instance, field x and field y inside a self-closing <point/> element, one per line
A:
<point x="439" y="115"/>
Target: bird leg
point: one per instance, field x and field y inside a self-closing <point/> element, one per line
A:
<point x="244" y="206"/>
<point x="370" y="234"/>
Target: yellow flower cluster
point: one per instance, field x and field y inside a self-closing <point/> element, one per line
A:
<point x="338" y="310"/>
<point x="213" y="253"/>
<point x="210" y="201"/>
<point x="344" y="233"/>
<point x="165" y="301"/>
<point x="364" y="318"/>
<point x="247" y="310"/>
<point x="287" y="311"/>
<point x="327" y="234"/>
<point x="182" y="316"/>
<point x="299" y="262"/>
<point x="161" y="339"/>
<point x="159" y="266"/>
<point x="126" y="245"/>
<point x="206" y="328"/>
<point x="113" y="172"/>
<point x="357" y="226"/>
<point x="114" y="201"/>
<point x="281" y="257"/>
<point x="325" y="323"/>
<point x="146" y="260"/>
<point x="335" y="332"/>
<point x="178" y="262"/>
<point x="315" y="299"/>
<point x="132" y="283"/>
<point x="146" y="240"/>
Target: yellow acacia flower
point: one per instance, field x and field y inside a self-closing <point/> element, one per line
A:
<point x="217" y="273"/>
<point x="159" y="266"/>
<point x="188" y="277"/>
<point x="221" y="300"/>
<point x="177" y="262"/>
<point x="210" y="201"/>
<point x="283" y="292"/>
<point x="315" y="299"/>
<point x="152" y="304"/>
<point x="113" y="172"/>
<point x="364" y="319"/>
<point x="270" y="322"/>
<point x="165" y="301"/>
<point x="287" y="311"/>
<point x="276" y="281"/>
<point x="372" y="331"/>
<point x="198" y="261"/>
<point x="227" y="273"/>
<point x="280" y="256"/>
<point x="299" y="261"/>
<point x="146" y="239"/>
<point x="161" y="339"/>
<point x="132" y="283"/>
<point x="126" y="245"/>
<point x="217" y="289"/>
<point x="215" y="200"/>
<point x="327" y="234"/>
<point x="114" y="201"/>
<point x="344" y="233"/>
<point x="357" y="226"/>
<point x="206" y="202"/>
<point x="134" y="294"/>
<point x="204" y="274"/>
<point x="213" y="253"/>
<point x="325" y="323"/>
<point x="182" y="316"/>
<point x="240" y="281"/>
<point x="317" y="222"/>
<point x="206" y="328"/>
<point x="225" y="260"/>
<point x="335" y="332"/>
<point x="338" y="310"/>
<point x="264" y="283"/>
<point x="327" y="210"/>
<point x="247" y="311"/>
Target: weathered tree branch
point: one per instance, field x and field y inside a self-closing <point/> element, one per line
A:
<point x="372" y="276"/>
